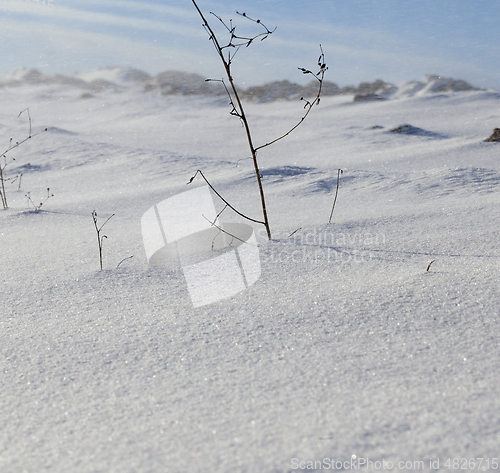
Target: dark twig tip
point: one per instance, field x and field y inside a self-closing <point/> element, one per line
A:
<point x="294" y="232"/>
<point x="124" y="259"/>
<point x="339" y="172"/>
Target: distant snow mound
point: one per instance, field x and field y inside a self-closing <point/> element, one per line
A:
<point x="25" y="76"/>
<point x="280" y="90"/>
<point x="115" y="79"/>
<point x="433" y="84"/>
<point x="182" y="83"/>
<point x="116" y="75"/>
<point x="286" y="90"/>
<point x="367" y="97"/>
<point x="407" y="129"/>
<point x="378" y="87"/>
<point x="28" y="76"/>
<point x="494" y="137"/>
<point x="171" y="82"/>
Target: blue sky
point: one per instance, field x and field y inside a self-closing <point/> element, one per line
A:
<point x="394" y="40"/>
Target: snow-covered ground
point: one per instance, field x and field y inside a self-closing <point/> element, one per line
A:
<point x="346" y="348"/>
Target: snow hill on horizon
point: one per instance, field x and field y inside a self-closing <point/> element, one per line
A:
<point x="373" y="338"/>
<point x="173" y="82"/>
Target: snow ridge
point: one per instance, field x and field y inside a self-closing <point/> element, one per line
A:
<point x="118" y="79"/>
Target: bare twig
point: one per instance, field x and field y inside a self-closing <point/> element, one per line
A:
<point x="308" y="105"/>
<point x="124" y="259"/>
<point x="242" y="40"/>
<point x="39" y="206"/>
<point x="233" y="111"/>
<point x="242" y="159"/>
<point x="98" y="230"/>
<point x="429" y="267"/>
<point x="222" y="198"/>
<point x="237" y="106"/>
<point x="235" y="42"/>
<point x="3" y="179"/>
<point x="339" y="172"/>
<point x="222" y="230"/>
<point x="29" y="117"/>
<point x="294" y="232"/>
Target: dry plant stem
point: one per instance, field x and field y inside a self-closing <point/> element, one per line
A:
<point x="241" y="114"/>
<point x="236" y="42"/>
<point x="222" y="198"/>
<point x="39" y="206"/>
<point x="339" y="172"/>
<point x="2" y="190"/>
<point x="124" y="259"/>
<point x="308" y="105"/>
<point x="98" y="230"/>
<point x="221" y="230"/>
<point x="294" y="232"/>
<point x="3" y="195"/>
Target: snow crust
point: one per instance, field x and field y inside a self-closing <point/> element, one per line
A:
<point x="345" y="346"/>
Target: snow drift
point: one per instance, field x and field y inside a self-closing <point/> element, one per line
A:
<point x="345" y="347"/>
<point x="182" y="83"/>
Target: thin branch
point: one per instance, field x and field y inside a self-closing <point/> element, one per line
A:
<point x="29" y="117"/>
<point x="213" y="224"/>
<point x="39" y="206"/>
<point x="220" y="213"/>
<point x="105" y="221"/>
<point x="2" y="189"/>
<point x="308" y="105"/>
<point x="242" y="159"/>
<point x="222" y="230"/>
<point x="268" y="31"/>
<point x="98" y="231"/>
<point x="233" y="112"/>
<point x="239" y="108"/>
<point x="222" y="198"/>
<point x="3" y="195"/>
<point x="339" y="172"/>
<point x="19" y="143"/>
<point x="124" y="259"/>
<point x="242" y="40"/>
<point x="294" y="232"/>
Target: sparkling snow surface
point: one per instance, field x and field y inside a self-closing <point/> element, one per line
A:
<point x="345" y="346"/>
